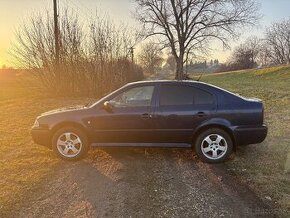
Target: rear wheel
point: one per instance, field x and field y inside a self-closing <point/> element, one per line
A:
<point x="70" y="143"/>
<point x="214" y="145"/>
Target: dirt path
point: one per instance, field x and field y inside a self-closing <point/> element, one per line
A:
<point x="142" y="183"/>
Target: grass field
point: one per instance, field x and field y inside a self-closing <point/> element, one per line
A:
<point x="24" y="165"/>
<point x="264" y="167"/>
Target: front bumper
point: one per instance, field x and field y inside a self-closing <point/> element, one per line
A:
<point x="250" y="135"/>
<point x="41" y="136"/>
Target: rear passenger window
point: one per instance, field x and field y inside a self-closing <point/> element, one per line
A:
<point x="171" y="95"/>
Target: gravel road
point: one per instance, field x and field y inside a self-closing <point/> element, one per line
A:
<point x="125" y="182"/>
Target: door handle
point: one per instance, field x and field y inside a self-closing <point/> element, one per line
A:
<point x="201" y="114"/>
<point x="146" y="116"/>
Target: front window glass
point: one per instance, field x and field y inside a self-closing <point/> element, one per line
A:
<point x="135" y="97"/>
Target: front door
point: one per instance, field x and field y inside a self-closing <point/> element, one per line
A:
<point x="130" y="118"/>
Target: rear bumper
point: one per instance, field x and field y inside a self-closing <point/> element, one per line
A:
<point x="250" y="135"/>
<point x="41" y="136"/>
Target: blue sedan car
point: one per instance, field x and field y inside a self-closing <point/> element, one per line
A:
<point x="184" y="114"/>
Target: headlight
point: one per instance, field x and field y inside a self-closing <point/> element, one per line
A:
<point x="36" y="124"/>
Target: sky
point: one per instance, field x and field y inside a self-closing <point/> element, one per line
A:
<point x="13" y="13"/>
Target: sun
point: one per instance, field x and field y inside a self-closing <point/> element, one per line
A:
<point x="2" y="64"/>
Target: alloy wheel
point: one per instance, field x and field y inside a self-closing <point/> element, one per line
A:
<point x="69" y="144"/>
<point x="214" y="146"/>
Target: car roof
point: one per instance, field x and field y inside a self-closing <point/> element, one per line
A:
<point x="165" y="81"/>
<point x="199" y="84"/>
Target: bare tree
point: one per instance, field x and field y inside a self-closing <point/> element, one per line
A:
<point x="246" y="55"/>
<point x="34" y="49"/>
<point x="150" y="57"/>
<point x="242" y="59"/>
<point x="264" y="56"/>
<point x="253" y="45"/>
<point x="277" y="43"/>
<point x="187" y="26"/>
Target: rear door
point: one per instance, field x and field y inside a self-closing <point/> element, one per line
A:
<point x="180" y="109"/>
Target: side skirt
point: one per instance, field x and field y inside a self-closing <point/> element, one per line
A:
<point x="149" y="145"/>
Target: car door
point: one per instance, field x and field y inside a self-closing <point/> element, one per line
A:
<point x="130" y="118"/>
<point x="180" y="109"/>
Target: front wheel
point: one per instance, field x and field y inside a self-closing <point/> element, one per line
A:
<point x="214" y="146"/>
<point x="70" y="143"/>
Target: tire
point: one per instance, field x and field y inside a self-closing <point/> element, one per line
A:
<point x="214" y="145"/>
<point x="70" y="143"/>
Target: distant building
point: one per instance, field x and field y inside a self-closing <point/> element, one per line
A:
<point x="202" y="67"/>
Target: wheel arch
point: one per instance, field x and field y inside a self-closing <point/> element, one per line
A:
<point x="68" y="124"/>
<point x="218" y="126"/>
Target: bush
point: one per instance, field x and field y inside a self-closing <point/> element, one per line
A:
<point x="93" y="60"/>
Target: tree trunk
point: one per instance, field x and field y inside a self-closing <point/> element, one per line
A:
<point x="179" y="68"/>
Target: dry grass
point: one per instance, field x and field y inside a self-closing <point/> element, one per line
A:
<point x="24" y="165"/>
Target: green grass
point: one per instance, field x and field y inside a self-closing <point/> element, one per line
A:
<point x="263" y="166"/>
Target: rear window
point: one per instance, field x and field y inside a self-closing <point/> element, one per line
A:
<point x="171" y="95"/>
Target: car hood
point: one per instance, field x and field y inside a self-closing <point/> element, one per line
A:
<point x="64" y="109"/>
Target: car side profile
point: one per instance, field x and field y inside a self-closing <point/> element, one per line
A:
<point x="185" y="114"/>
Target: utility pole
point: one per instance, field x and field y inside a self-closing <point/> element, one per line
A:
<point x="56" y="34"/>
<point x="131" y="50"/>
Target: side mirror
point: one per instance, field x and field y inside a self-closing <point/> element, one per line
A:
<point x="108" y="106"/>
